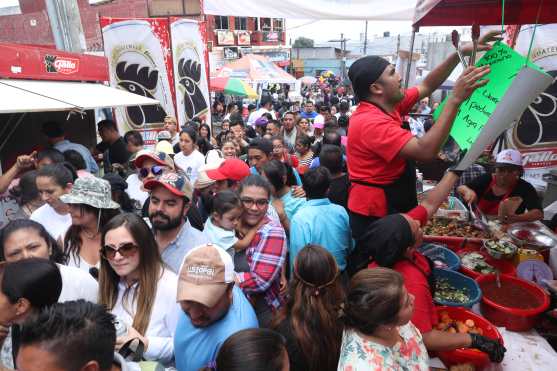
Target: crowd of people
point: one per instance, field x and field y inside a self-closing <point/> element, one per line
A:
<point x="288" y="240"/>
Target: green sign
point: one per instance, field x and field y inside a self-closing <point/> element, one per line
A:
<point x="474" y="112"/>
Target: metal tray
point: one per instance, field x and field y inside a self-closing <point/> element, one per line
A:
<point x="540" y="237"/>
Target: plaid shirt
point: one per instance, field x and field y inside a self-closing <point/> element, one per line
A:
<point x="265" y="256"/>
<point x="473" y="172"/>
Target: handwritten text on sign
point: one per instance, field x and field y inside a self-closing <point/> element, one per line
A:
<point x="474" y="113"/>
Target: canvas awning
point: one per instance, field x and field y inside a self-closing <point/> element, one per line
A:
<point x="482" y="12"/>
<point x="42" y="95"/>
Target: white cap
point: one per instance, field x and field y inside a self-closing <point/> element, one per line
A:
<point x="319" y="122"/>
<point x="509" y="157"/>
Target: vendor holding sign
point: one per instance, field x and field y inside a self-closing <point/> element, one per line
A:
<point x="504" y="193"/>
<point x="380" y="153"/>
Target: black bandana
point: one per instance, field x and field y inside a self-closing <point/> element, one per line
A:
<point x="364" y="72"/>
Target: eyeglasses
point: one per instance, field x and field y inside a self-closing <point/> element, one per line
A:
<point x="155" y="170"/>
<point x="126" y="250"/>
<point x="249" y="202"/>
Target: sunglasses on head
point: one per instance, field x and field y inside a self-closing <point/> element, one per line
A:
<point x="126" y="250"/>
<point x="155" y="170"/>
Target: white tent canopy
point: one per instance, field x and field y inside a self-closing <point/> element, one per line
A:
<point x="377" y="10"/>
<point x="42" y="95"/>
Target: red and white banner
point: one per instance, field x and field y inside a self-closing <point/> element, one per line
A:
<point x="139" y="58"/>
<point x="535" y="136"/>
<point x="190" y="62"/>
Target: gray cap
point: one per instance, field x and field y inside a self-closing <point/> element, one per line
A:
<point x="92" y="191"/>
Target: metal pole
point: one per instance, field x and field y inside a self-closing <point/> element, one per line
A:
<point x="365" y="41"/>
<point x="406" y="81"/>
<point x="343" y="48"/>
<point x="65" y="22"/>
<point x="57" y="32"/>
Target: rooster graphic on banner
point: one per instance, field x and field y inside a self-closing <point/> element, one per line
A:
<point x="189" y="73"/>
<point x="141" y="81"/>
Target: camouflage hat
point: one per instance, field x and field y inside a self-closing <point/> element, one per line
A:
<point x="92" y="191"/>
<point x="177" y="183"/>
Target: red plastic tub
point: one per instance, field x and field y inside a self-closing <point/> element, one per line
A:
<point x="513" y="319"/>
<point x="504" y="266"/>
<point x="455" y="243"/>
<point x="473" y="356"/>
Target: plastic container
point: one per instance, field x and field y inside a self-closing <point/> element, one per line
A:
<point x="513" y="319"/>
<point x="455" y="243"/>
<point x="459" y="281"/>
<point x="498" y="254"/>
<point x="504" y="266"/>
<point x="457" y="210"/>
<point x="473" y="356"/>
<point x="442" y="254"/>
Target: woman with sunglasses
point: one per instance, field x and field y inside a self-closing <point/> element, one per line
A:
<point x="137" y="288"/>
<point x="26" y="286"/>
<point x="309" y="319"/>
<point x="259" y="266"/>
<point x="189" y="159"/>
<point x="91" y="207"/>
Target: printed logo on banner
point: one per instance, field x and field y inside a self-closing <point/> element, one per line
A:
<point x="189" y="73"/>
<point x="63" y="65"/>
<point x="142" y="81"/>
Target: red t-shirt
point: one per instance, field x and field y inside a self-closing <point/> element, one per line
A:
<point x="419" y="213"/>
<point x="375" y="139"/>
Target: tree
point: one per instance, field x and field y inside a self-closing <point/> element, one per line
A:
<point x="303" y="42"/>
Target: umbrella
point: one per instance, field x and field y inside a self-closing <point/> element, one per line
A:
<point x="232" y="86"/>
<point x="308" y="80"/>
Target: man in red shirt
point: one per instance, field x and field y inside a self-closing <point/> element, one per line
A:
<point x="380" y="153"/>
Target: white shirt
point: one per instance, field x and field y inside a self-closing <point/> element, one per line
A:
<point x="77" y="261"/>
<point x="76" y="284"/>
<point x="135" y="191"/>
<point x="164" y="316"/>
<point x="190" y="164"/>
<point x="54" y="223"/>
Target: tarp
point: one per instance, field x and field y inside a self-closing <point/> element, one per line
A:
<point x="41" y="95"/>
<point x="254" y="68"/>
<point x="482" y="12"/>
<point x="376" y="10"/>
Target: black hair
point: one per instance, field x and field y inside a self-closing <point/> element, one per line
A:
<point x="134" y="137"/>
<point x="191" y="132"/>
<point x="203" y="145"/>
<point x="107" y="124"/>
<point x="224" y="201"/>
<point x="53" y="129"/>
<point x="52" y="154"/>
<point x="61" y="174"/>
<point x="255" y="180"/>
<point x="256" y="349"/>
<point x="35" y="279"/>
<point x="277" y="123"/>
<point x="275" y="172"/>
<point x="56" y="253"/>
<point x="236" y="119"/>
<point x="332" y="137"/>
<point x="268" y="116"/>
<point x="26" y="191"/>
<point x="316" y="182"/>
<point x="343" y="106"/>
<point x="74" y="332"/>
<point x="343" y="121"/>
<point x="75" y="159"/>
<point x="331" y="158"/>
<point x="206" y="127"/>
<point x="305" y="140"/>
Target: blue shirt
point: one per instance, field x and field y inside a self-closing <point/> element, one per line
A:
<point x="316" y="162"/>
<point x="323" y="223"/>
<point x="188" y="238"/>
<point x="296" y="175"/>
<point x="196" y="347"/>
<point x="309" y="116"/>
<point x="91" y="165"/>
<point x="292" y="204"/>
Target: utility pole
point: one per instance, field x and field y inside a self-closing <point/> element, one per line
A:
<point x="65" y="22"/>
<point x="343" y="48"/>
<point x="365" y="41"/>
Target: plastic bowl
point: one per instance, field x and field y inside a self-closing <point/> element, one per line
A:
<point x="441" y="253"/>
<point x="504" y="266"/>
<point x="499" y="255"/>
<point x="513" y="319"/>
<point x="458" y="280"/>
<point x="462" y="356"/>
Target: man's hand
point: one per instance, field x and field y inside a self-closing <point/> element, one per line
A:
<point x="471" y="79"/>
<point x="26" y="161"/>
<point x="298" y="192"/>
<point x="483" y="42"/>
<point x="132" y="334"/>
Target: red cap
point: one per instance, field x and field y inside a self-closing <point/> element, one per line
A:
<point x="231" y="168"/>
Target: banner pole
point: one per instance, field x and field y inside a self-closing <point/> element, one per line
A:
<point x="407" y="79"/>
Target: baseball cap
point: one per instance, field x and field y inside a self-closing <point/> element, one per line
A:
<point x="178" y="184"/>
<point x="262" y="121"/>
<point x="203" y="181"/>
<point x="231" y="168"/>
<point x="205" y="274"/>
<point x="164" y="135"/>
<point x="164" y="146"/>
<point x="319" y="122"/>
<point x="509" y="157"/>
<point x="160" y="158"/>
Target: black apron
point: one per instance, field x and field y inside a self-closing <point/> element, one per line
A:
<point x="401" y="194"/>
